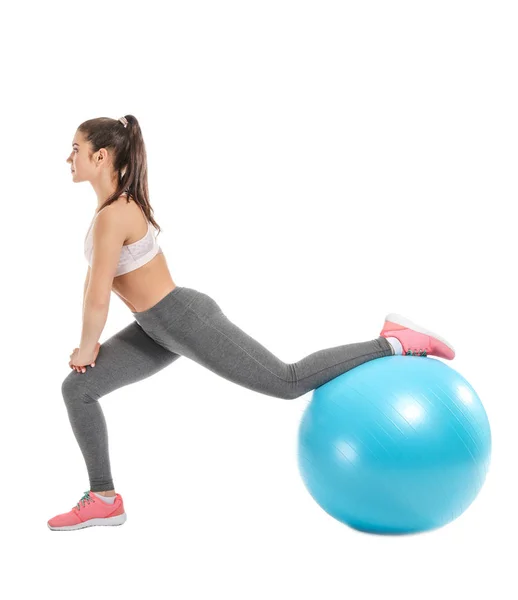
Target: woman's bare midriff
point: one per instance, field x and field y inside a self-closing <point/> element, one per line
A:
<point x="144" y="287"/>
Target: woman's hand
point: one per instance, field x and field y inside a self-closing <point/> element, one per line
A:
<point x="79" y="362"/>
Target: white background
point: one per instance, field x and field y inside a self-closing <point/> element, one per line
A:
<point x="313" y="165"/>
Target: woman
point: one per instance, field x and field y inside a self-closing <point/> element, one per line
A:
<point x="169" y="321"/>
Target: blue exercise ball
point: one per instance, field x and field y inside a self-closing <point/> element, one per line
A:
<point x="399" y="444"/>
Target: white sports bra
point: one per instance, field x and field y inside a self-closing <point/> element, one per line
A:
<point x="133" y="255"/>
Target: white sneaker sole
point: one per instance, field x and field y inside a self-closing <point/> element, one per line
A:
<point x="118" y="520"/>
<point x="400" y="320"/>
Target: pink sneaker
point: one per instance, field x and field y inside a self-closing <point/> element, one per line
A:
<point x="89" y="511"/>
<point x="416" y="340"/>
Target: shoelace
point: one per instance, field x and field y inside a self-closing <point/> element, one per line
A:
<point x="86" y="498"/>
<point x="415" y="353"/>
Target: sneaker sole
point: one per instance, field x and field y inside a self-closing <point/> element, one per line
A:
<point x="400" y="320"/>
<point x="118" y="520"/>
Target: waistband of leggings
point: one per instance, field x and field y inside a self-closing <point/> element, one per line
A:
<point x="162" y="304"/>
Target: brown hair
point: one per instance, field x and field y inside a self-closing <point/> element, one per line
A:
<point x="129" y="152"/>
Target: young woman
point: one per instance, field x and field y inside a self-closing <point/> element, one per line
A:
<point x="169" y="321"/>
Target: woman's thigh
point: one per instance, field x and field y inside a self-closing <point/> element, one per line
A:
<point x="126" y="357"/>
<point x="199" y="330"/>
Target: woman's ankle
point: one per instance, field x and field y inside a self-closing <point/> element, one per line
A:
<point x="107" y="493"/>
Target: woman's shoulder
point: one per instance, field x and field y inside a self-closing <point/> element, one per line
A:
<point x="124" y="210"/>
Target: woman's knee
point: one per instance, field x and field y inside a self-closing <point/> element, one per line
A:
<point x="288" y="391"/>
<point x="292" y="393"/>
<point x="74" y="389"/>
<point x="293" y="389"/>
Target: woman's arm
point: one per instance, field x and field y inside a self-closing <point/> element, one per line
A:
<point x="108" y="232"/>
<point x="95" y="316"/>
<point x="87" y="281"/>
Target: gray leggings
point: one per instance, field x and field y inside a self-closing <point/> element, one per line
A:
<point x="189" y="323"/>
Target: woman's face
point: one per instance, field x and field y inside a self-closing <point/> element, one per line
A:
<point x="79" y="162"/>
<point x="83" y="167"/>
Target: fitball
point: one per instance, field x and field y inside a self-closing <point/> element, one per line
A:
<point x="399" y="444"/>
